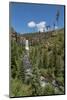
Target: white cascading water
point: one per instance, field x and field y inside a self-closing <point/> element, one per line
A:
<point x="27" y="45"/>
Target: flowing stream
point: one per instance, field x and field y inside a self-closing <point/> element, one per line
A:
<point x="26" y="62"/>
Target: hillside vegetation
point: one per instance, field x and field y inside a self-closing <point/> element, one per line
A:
<point x="46" y="56"/>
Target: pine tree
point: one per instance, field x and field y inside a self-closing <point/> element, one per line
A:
<point x="45" y="59"/>
<point x="35" y="84"/>
<point x="55" y="58"/>
<point x="22" y="73"/>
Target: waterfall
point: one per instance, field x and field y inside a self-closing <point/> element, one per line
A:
<point x="27" y="45"/>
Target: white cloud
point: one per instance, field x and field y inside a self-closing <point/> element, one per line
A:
<point x="56" y="27"/>
<point x="41" y="26"/>
<point x="31" y="24"/>
<point x="41" y="29"/>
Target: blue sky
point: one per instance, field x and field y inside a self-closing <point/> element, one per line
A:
<point x="21" y="14"/>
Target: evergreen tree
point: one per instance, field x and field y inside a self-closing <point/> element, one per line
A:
<point x="45" y="59"/>
<point x="22" y="73"/>
<point x="35" y="84"/>
<point x="54" y="56"/>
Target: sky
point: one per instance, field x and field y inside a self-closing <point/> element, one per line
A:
<point x="25" y="18"/>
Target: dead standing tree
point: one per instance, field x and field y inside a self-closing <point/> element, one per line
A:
<point x="57" y="16"/>
<point x="56" y="20"/>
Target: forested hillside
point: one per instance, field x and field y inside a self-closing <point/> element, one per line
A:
<point x="46" y="57"/>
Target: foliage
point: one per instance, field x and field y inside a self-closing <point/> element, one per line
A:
<point x="47" y="60"/>
<point x="16" y="53"/>
<point x="35" y="84"/>
<point x="48" y="90"/>
<point x="19" y="89"/>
